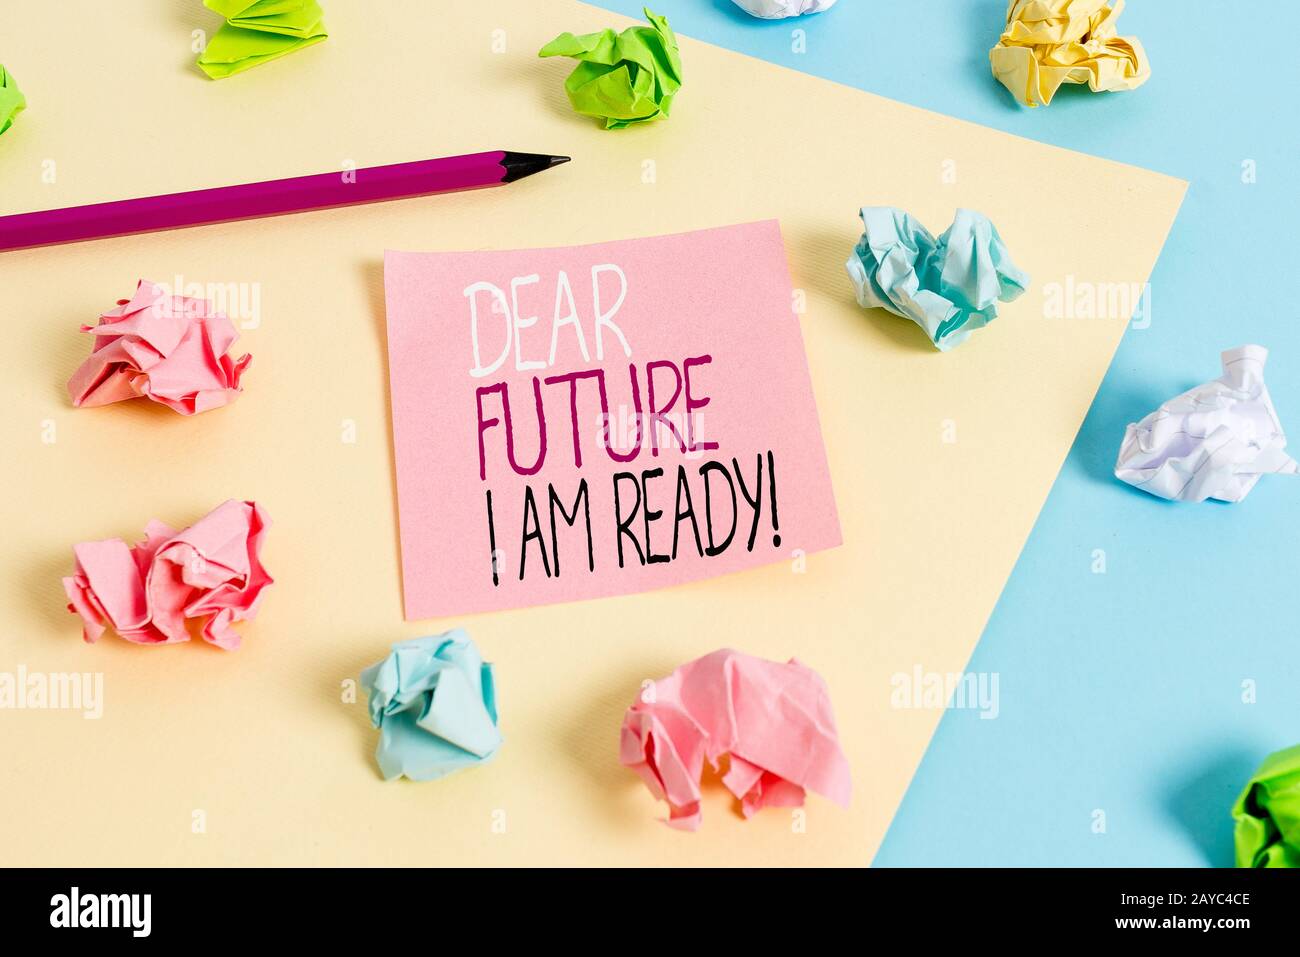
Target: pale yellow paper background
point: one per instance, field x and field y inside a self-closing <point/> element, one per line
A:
<point x="259" y="740"/>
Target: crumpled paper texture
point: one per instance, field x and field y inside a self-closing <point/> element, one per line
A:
<point x="622" y="78"/>
<point x="1048" y="43"/>
<point x="434" y="702"/>
<point x="773" y="720"/>
<point x="1213" y="441"/>
<point x="148" y="593"/>
<point x="171" y="349"/>
<point x="780" y="9"/>
<point x="258" y="31"/>
<point x="12" y="101"/>
<point x="1267" y="814"/>
<point x="948" y="286"/>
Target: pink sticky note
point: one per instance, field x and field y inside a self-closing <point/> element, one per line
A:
<point x="596" y="420"/>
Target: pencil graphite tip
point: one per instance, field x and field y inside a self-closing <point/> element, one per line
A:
<point x="519" y="165"/>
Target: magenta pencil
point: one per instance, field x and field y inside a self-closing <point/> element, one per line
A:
<point x="297" y="194"/>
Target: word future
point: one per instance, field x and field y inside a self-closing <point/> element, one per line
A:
<point x="102" y="910"/>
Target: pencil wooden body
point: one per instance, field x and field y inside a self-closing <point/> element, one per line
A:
<point x="253" y="200"/>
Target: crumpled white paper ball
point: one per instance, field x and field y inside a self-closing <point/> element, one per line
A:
<point x="1214" y="441"/>
<point x="779" y="9"/>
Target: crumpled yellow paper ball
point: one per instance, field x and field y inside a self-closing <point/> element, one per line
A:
<point x="1051" y="42"/>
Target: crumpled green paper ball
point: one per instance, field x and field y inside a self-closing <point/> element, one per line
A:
<point x="1267" y="832"/>
<point x="623" y="78"/>
<point x="257" y="31"/>
<point x="12" y="101"/>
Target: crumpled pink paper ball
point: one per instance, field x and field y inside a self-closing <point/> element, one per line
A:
<point x="210" y="571"/>
<point x="171" y="349"/>
<point x="774" y="721"/>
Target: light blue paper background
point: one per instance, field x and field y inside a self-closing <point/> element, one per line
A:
<point x="1120" y="692"/>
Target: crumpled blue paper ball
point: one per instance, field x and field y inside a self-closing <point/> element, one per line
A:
<point x="434" y="704"/>
<point x="947" y="286"/>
